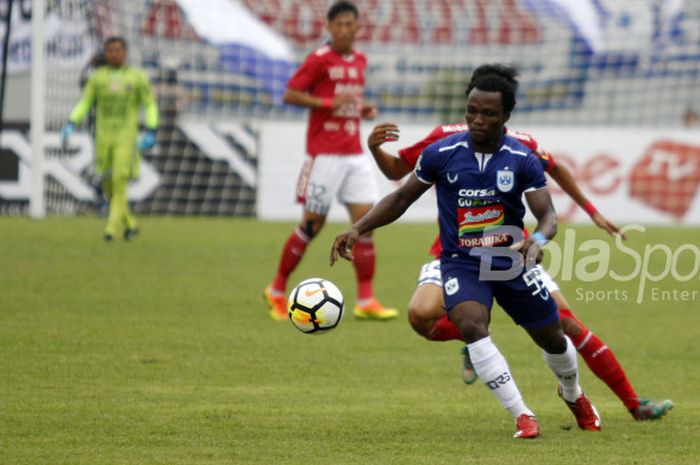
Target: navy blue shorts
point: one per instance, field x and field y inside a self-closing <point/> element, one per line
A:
<point x="524" y="298"/>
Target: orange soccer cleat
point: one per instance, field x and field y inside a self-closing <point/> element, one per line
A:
<point x="277" y="304"/>
<point x="374" y="311"/>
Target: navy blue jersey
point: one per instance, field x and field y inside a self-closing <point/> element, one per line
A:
<point x="476" y="191"/>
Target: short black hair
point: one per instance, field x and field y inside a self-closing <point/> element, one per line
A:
<point x="342" y="6"/>
<point x="113" y="39"/>
<point x="496" y="78"/>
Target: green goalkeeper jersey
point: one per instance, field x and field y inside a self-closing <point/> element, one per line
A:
<point x="117" y="94"/>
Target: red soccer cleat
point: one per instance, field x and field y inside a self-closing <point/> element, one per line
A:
<point x="527" y="427"/>
<point x="586" y="414"/>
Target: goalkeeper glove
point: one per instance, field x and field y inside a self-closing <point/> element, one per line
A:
<point x="147" y="140"/>
<point x="65" y="134"/>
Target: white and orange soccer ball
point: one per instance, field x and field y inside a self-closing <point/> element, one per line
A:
<point x="315" y="306"/>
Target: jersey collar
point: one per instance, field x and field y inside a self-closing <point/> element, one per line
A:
<point x="501" y="144"/>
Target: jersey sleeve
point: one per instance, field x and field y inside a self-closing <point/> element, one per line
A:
<point x="546" y="159"/>
<point x="411" y="153"/>
<point x="532" y="175"/>
<point x="86" y="102"/>
<point x="526" y="139"/>
<point x="308" y="74"/>
<point x="428" y="165"/>
<point x="148" y="100"/>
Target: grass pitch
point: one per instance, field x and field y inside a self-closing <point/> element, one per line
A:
<point x="160" y="351"/>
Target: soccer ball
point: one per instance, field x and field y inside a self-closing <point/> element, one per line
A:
<point x="315" y="306"/>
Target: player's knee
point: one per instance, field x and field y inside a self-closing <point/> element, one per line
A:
<point x="419" y="318"/>
<point x="550" y="338"/>
<point x="473" y="330"/>
<point x="310" y="228"/>
<point x="554" y="342"/>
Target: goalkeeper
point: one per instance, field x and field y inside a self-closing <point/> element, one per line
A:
<point x="117" y="91"/>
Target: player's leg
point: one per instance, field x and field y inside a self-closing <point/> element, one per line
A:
<point x="468" y="301"/>
<point x="118" y="203"/>
<point x="358" y="192"/>
<point x="364" y="263"/>
<point x="315" y="189"/>
<point x="427" y="316"/>
<point x="128" y="158"/>
<point x="292" y="253"/>
<point x="471" y="318"/>
<point x="107" y="186"/>
<point x="426" y="312"/>
<point x="530" y="305"/>
<point x="602" y="362"/>
<point x="564" y="365"/>
<point x="106" y="192"/>
<point x="103" y="167"/>
<point x="128" y="220"/>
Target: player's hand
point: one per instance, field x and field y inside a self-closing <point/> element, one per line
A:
<point x="65" y="134"/>
<point x="343" y="100"/>
<point x="382" y="133"/>
<point x="603" y="223"/>
<point x="342" y="246"/>
<point x="530" y="250"/>
<point x="147" y="140"/>
<point x="369" y="110"/>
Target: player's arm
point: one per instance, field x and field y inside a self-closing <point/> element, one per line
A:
<point x="151" y="117"/>
<point x="391" y="166"/>
<point x="80" y="110"/>
<point x="300" y="87"/>
<point x="85" y="103"/>
<point x="540" y="203"/>
<point x="563" y="176"/>
<point x="150" y="105"/>
<point x="369" y="110"/>
<point x="303" y="99"/>
<point x="389" y="209"/>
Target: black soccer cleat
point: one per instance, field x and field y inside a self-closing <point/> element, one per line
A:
<point x="130" y="233"/>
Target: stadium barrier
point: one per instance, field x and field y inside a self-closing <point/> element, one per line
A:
<point x="623" y="63"/>
<point x="250" y="169"/>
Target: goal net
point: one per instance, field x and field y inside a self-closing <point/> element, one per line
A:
<point x="603" y="63"/>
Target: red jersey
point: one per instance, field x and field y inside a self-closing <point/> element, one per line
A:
<point x="411" y="154"/>
<point x="326" y="74"/>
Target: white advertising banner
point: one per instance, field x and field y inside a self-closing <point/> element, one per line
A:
<point x="68" y="43"/>
<point x="644" y="176"/>
<point x="638" y="176"/>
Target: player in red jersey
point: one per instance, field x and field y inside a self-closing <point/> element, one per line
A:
<point x="426" y="309"/>
<point x="331" y="83"/>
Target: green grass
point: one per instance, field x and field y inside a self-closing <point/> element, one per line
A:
<point x="160" y="351"/>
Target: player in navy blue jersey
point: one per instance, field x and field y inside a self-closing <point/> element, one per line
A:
<point x="480" y="178"/>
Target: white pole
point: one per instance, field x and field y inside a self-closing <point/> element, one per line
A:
<point x="37" y="207"/>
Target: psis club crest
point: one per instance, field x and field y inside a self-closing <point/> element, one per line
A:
<point x="505" y="180"/>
